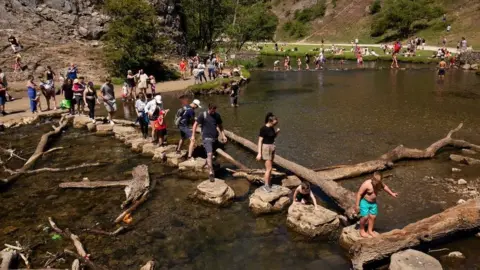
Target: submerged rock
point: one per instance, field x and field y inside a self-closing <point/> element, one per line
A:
<point x="456" y="255"/>
<point x="307" y="220"/>
<point x="469" y="151"/>
<point x="262" y="202"/>
<point x="292" y="181"/>
<point x="193" y="168"/>
<point x="349" y="236"/>
<point x="218" y="192"/>
<point x="413" y="260"/>
<point x="174" y="158"/>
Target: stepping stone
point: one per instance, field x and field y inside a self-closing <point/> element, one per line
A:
<point x="292" y="181"/>
<point x="137" y="144"/>
<point x="307" y="220"/>
<point x="148" y="149"/>
<point x="218" y="192"/>
<point x="121" y="131"/>
<point x="174" y="158"/>
<point x="349" y="236"/>
<point x="193" y="169"/>
<point x="131" y="137"/>
<point x="104" y="129"/>
<point x="81" y="121"/>
<point x="262" y="202"/>
<point x="413" y="260"/>
<point x="91" y="127"/>
<point x="160" y="153"/>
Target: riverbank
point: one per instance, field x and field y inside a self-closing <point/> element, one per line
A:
<point x="294" y="50"/>
<point x="219" y="85"/>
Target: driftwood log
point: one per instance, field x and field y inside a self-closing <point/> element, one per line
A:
<point x="461" y="218"/>
<point x="399" y="153"/>
<point x="344" y="198"/>
<point x="102" y="232"/>
<point x="83" y="260"/>
<point x="95" y="184"/>
<point x="7" y="256"/>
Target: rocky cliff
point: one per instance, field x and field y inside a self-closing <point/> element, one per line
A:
<point x="57" y="32"/>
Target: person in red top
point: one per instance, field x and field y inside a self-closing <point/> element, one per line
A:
<point x="183" y="68"/>
<point x="396" y="50"/>
<point x="160" y="127"/>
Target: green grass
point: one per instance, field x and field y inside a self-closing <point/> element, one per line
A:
<point x="422" y="56"/>
<point x="217" y="83"/>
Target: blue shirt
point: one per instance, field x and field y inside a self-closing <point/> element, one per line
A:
<point x="72" y="73"/>
<point x="187" y="117"/>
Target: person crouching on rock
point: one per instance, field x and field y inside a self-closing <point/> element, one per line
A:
<point x="366" y="203"/>
<point x="266" y="147"/>
<point x="303" y="194"/>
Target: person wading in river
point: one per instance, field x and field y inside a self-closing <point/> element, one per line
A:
<point x="366" y="203"/>
<point x="397" y="46"/>
<point x="441" y="69"/>
<point x="266" y="147"/>
<point x="211" y="123"/>
<point x="184" y="119"/>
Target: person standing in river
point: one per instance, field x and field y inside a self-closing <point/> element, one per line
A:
<point x="107" y="94"/>
<point x="441" y="69"/>
<point x="266" y="147"/>
<point x="234" y="94"/>
<point x="210" y="121"/>
<point x="184" y="119"/>
<point x="397" y="46"/>
<point x="142" y="116"/>
<point x="366" y="203"/>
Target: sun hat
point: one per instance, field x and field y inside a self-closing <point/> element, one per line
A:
<point x="158" y="99"/>
<point x="197" y="102"/>
<point x="76" y="81"/>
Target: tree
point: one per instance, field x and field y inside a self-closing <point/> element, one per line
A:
<point x="376" y="6"/>
<point x="254" y="23"/>
<point x="132" y="38"/>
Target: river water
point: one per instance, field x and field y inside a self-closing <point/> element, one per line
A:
<point x="340" y="115"/>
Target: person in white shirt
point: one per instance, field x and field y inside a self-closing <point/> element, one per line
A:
<point x="142" y="81"/>
<point x="201" y="72"/>
<point x="152" y="109"/>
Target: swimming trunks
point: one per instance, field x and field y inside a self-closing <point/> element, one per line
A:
<point x="441" y="72"/>
<point x="368" y="208"/>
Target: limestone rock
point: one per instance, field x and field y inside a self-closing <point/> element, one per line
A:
<point x="474" y="66"/>
<point x="148" y="149"/>
<point x="307" y="220"/>
<point x="413" y="260"/>
<point x="160" y="153"/>
<point x="465" y="160"/>
<point x="131" y="137"/>
<point x="461" y="182"/>
<point x="217" y="192"/>
<point x="81" y="121"/>
<point x="137" y="144"/>
<point x="262" y="202"/>
<point x="193" y="169"/>
<point x="174" y="158"/>
<point x="292" y="181"/>
<point x="456" y="170"/>
<point x="456" y="255"/>
<point x="461" y="201"/>
<point x="121" y="131"/>
<point x="104" y="129"/>
<point x="468" y="151"/>
<point x="349" y="236"/>
<point x="466" y="66"/>
<point x="91" y="127"/>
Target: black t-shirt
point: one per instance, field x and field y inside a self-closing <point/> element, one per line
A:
<point x="234" y="90"/>
<point x="67" y="90"/>
<point x="50" y="75"/>
<point x="209" y="124"/>
<point x="268" y="134"/>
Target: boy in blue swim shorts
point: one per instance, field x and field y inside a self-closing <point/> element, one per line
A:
<point x="366" y="203"/>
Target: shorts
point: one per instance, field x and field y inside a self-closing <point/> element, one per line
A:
<point x="300" y="196"/>
<point x="268" y="151"/>
<point x="368" y="208"/>
<point x="110" y="105"/>
<point x="78" y="100"/>
<point x="3" y="99"/>
<point x="185" y="132"/>
<point x="161" y="132"/>
<point x="210" y="145"/>
<point x="441" y="72"/>
<point x="234" y="100"/>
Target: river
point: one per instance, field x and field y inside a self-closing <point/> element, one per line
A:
<point x="340" y="115"/>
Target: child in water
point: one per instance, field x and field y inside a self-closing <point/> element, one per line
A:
<point x="304" y="194"/>
<point x="299" y="63"/>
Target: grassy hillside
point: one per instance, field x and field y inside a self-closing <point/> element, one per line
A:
<point x="345" y="20"/>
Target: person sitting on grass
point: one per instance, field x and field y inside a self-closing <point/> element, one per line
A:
<point x="366" y="203"/>
<point x="303" y="194"/>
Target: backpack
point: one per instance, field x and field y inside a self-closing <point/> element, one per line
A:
<point x="178" y="116"/>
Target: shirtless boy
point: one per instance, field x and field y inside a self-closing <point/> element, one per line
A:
<point x="366" y="203"/>
<point x="441" y="69"/>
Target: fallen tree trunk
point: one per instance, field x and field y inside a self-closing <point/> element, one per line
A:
<point x="252" y="178"/>
<point x="71" y="168"/>
<point x="231" y="159"/>
<point x="95" y="184"/>
<point x="344" y="198"/>
<point x="460" y="218"/>
<point x="399" y="153"/>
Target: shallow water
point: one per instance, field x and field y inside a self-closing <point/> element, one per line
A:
<point x="326" y="117"/>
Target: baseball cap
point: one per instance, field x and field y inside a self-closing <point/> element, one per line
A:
<point x="197" y="102"/>
<point x="158" y="99"/>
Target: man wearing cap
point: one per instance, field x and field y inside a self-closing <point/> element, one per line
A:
<point x="153" y="109"/>
<point x="187" y="117"/>
<point x="107" y="94"/>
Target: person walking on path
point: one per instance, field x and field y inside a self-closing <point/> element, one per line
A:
<point x="266" y="147"/>
<point x="142" y="116"/>
<point x="68" y="94"/>
<point x="211" y="70"/>
<point x="90" y="98"/>
<point x="201" y="72"/>
<point x="50" y="75"/>
<point x="183" y="68"/>
<point x="107" y="94"/>
<point x="211" y="123"/>
<point x="153" y="109"/>
<point x="184" y="119"/>
<point x="48" y="91"/>
<point x="366" y="203"/>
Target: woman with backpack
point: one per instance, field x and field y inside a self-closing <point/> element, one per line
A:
<point x="153" y="109"/>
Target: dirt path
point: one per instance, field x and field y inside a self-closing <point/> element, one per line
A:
<point x="20" y="107"/>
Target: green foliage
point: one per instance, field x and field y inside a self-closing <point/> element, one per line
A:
<point x="132" y="38"/>
<point x="247" y="63"/>
<point x="296" y="29"/>
<point x="254" y="23"/>
<point x="334" y="3"/>
<point x="404" y="16"/>
<point x="376" y="6"/>
<point x="311" y="13"/>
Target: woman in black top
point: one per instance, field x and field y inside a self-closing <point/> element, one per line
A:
<point x="68" y="92"/>
<point x="266" y="147"/>
<point x="90" y="97"/>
